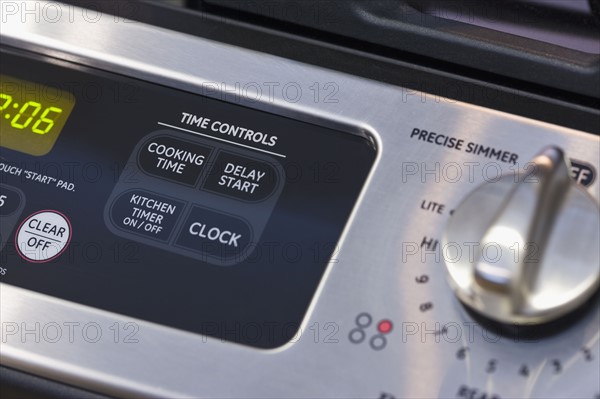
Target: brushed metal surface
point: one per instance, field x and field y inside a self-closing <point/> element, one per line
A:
<point x="374" y="270"/>
<point x="538" y="268"/>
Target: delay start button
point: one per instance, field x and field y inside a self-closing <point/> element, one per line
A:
<point x="43" y="236"/>
<point x="242" y="178"/>
<point x="214" y="234"/>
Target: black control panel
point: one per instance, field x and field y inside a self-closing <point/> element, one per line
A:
<point x="176" y="208"/>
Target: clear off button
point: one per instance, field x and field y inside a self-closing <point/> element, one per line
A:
<point x="214" y="234"/>
<point x="43" y="236"/>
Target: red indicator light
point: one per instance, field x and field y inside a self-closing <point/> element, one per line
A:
<point x="385" y="326"/>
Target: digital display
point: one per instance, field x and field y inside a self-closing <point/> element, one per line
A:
<point x="32" y="115"/>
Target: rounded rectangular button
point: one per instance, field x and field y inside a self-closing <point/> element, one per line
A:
<point x="240" y="177"/>
<point x="10" y="201"/>
<point x="146" y="213"/>
<point x="173" y="159"/>
<point x="214" y="234"/>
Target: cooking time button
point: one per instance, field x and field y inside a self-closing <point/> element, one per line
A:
<point x="43" y="236"/>
<point x="214" y="234"/>
<point x="173" y="159"/>
<point x="241" y="177"/>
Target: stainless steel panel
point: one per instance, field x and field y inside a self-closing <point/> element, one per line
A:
<point x="371" y="273"/>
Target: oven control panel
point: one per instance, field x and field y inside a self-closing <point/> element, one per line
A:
<point x="184" y="218"/>
<point x="180" y="199"/>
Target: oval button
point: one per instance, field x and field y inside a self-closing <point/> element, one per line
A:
<point x="10" y="200"/>
<point x="145" y="213"/>
<point x="173" y="159"/>
<point x="240" y="177"/>
<point x="214" y="234"/>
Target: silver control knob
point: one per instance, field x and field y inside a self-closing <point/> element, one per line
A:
<point x="526" y="248"/>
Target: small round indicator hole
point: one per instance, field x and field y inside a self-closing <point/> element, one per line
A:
<point x="385" y="326"/>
